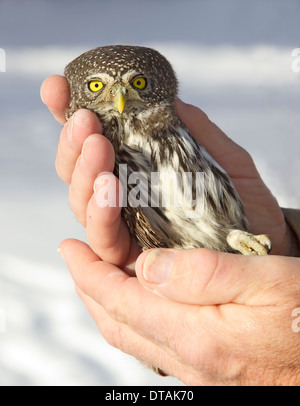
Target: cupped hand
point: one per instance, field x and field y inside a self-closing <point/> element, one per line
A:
<point x="215" y="318"/>
<point x="83" y="153"/>
<point x="205" y="317"/>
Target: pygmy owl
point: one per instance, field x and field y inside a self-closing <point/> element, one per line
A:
<point x="133" y="91"/>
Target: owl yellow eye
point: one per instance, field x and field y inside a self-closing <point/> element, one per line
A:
<point x="140" y="83"/>
<point x="95" y="85"/>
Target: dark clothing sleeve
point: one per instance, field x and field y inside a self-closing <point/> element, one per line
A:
<point x="292" y="217"/>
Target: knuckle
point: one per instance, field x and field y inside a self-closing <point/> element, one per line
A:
<point x="116" y="304"/>
<point x="115" y="336"/>
<point x="201" y="282"/>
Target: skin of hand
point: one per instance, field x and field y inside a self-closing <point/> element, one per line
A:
<point x="215" y="318"/>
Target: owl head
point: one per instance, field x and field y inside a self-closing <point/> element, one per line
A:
<point x="120" y="79"/>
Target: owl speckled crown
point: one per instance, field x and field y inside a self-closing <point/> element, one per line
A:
<point x="116" y="60"/>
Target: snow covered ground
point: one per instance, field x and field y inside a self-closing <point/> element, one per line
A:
<point x="233" y="59"/>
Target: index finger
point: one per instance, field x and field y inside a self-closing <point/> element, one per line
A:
<point x="55" y="93"/>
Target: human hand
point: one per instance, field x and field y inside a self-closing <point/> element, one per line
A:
<point x="227" y="320"/>
<point x="83" y="153"/>
<point x="84" y="129"/>
<point x="131" y="336"/>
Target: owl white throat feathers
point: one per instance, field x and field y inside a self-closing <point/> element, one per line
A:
<point x="133" y="91"/>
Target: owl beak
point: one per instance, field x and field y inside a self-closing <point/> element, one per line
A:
<point x="120" y="99"/>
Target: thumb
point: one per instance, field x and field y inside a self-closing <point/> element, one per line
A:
<point x="206" y="277"/>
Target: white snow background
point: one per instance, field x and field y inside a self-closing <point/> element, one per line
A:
<point x="233" y="59"/>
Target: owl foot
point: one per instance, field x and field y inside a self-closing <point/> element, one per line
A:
<point x="249" y="244"/>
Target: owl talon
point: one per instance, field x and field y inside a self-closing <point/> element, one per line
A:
<point x="249" y="244"/>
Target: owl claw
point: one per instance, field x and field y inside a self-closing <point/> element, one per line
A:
<point x="249" y="244"/>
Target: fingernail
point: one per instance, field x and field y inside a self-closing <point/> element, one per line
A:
<point x="41" y="91"/>
<point x="79" y="119"/>
<point x="60" y="252"/>
<point x="70" y="129"/>
<point x="81" y="159"/>
<point x="158" y="265"/>
<point x="88" y="144"/>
